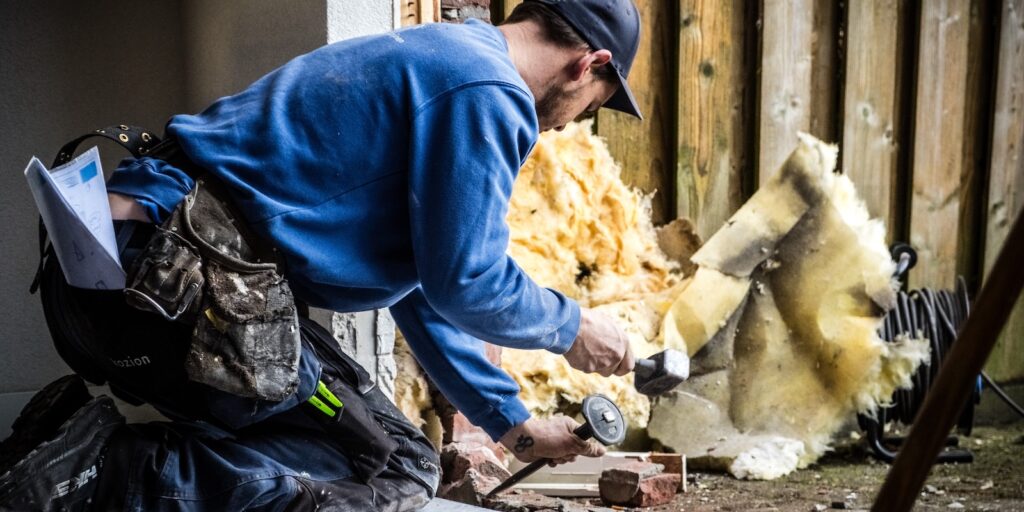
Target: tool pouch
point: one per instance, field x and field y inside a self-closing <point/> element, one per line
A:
<point x="357" y="430"/>
<point x="246" y="337"/>
<point x="167" y="278"/>
<point x="364" y="436"/>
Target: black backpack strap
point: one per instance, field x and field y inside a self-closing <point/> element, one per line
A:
<point x="137" y="140"/>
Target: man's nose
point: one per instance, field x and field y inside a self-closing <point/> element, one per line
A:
<point x="559" y="128"/>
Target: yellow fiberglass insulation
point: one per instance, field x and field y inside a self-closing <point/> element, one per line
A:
<point x="576" y="227"/>
<point x="803" y="351"/>
<point x="780" y="317"/>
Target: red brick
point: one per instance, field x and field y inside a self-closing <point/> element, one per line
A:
<point x="458" y="458"/>
<point x="638" y="484"/>
<point x="471" y="489"/>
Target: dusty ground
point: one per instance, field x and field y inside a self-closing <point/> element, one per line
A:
<point x="849" y="478"/>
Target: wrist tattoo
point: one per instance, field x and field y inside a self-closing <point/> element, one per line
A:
<point x="522" y="443"/>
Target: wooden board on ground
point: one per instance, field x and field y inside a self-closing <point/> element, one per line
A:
<point x="1006" y="178"/>
<point x="580" y="478"/>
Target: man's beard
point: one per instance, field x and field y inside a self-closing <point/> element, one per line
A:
<point x="551" y="107"/>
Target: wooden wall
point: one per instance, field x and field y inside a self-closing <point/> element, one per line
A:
<point x="926" y="99"/>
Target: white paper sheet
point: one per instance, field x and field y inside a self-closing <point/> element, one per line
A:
<point x="72" y="199"/>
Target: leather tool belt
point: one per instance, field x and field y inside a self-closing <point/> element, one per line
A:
<point x="204" y="267"/>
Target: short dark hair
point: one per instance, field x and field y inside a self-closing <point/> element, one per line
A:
<point x="557" y="31"/>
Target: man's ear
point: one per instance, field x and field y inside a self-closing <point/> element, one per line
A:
<point x="589" y="61"/>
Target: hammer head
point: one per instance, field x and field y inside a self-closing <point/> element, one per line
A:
<point x="661" y="372"/>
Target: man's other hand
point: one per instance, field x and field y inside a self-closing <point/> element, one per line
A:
<point x="550" y="438"/>
<point x="600" y="346"/>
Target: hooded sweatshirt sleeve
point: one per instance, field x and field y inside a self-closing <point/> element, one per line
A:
<point x="466" y="148"/>
<point x="458" y="364"/>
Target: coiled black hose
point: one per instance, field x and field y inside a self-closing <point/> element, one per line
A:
<point x="935" y="316"/>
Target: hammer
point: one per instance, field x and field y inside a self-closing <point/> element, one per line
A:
<point x="661" y="372"/>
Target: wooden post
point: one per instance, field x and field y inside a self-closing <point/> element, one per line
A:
<point x="871" y="121"/>
<point x="644" y="149"/>
<point x="797" y="77"/>
<point x="712" y="150"/>
<point x="500" y="9"/>
<point x="955" y="382"/>
<point x="415" y="12"/>
<point x="1005" y="196"/>
<point x="944" y="181"/>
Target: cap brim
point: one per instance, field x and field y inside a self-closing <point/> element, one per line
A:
<point x="623" y="100"/>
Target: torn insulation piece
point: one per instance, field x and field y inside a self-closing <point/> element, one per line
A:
<point x="780" y="317"/>
<point x="806" y="355"/>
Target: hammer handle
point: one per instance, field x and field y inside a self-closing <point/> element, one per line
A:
<point x="645" y="367"/>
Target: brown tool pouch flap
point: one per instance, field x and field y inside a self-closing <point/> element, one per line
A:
<point x="167" y="277"/>
<point x="246" y="337"/>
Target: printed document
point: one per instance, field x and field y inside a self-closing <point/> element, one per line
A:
<point x="72" y="199"/>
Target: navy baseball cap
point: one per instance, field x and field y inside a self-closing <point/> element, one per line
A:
<point x="612" y="25"/>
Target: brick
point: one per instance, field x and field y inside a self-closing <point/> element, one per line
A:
<point x="470" y="489"/>
<point x="458" y="458"/>
<point x="674" y="463"/>
<point x="638" y="484"/>
<point x="458" y="4"/>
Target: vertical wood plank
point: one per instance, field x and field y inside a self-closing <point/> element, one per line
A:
<point x="797" y="77"/>
<point x="711" y="91"/>
<point x="644" y="149"/>
<point x="871" y="123"/>
<point x="415" y="12"/>
<point x="942" y="176"/>
<point x="409" y="12"/>
<point x="1006" y="177"/>
<point x="825" y="84"/>
<point x="430" y="11"/>
<point x="507" y="6"/>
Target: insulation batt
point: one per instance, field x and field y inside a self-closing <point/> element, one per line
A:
<point x="576" y="227"/>
<point x="805" y="353"/>
<point x="780" y="317"/>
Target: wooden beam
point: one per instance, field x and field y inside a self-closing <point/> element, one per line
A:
<point x="1006" y="177"/>
<point x="415" y="12"/>
<point x="712" y="150"/>
<point x="872" y="122"/>
<point x="506" y="8"/>
<point x="957" y="378"/>
<point x="798" y="77"/>
<point x="644" y="149"/>
<point x="943" y="177"/>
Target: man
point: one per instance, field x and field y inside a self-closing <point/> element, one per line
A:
<point x="378" y="172"/>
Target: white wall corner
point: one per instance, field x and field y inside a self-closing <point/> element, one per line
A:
<point x="354" y="18"/>
<point x="369" y="338"/>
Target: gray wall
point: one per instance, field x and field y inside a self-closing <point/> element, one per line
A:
<point x="69" y="67"/>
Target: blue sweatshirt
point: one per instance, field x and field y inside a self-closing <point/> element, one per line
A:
<point x="381" y="167"/>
